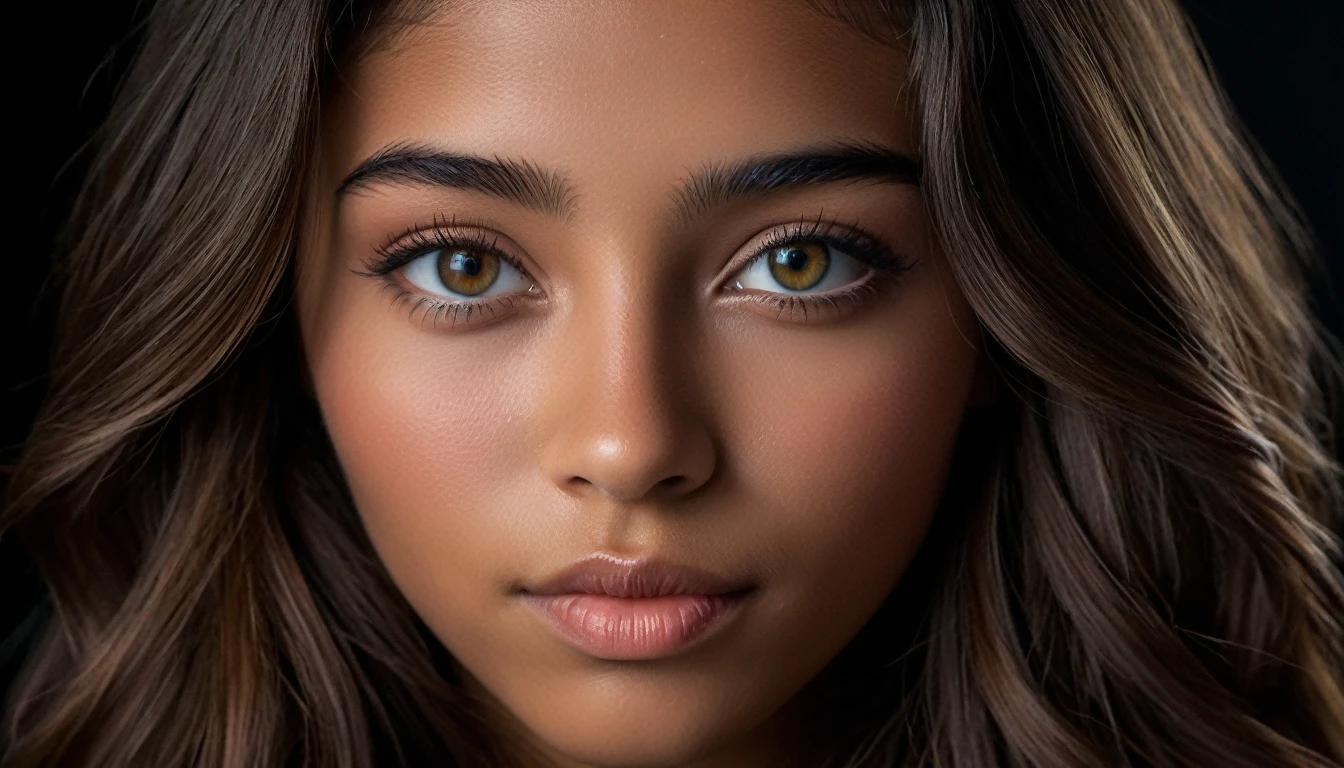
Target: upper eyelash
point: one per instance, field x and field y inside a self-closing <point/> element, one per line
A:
<point x="416" y="241"/>
<point x="849" y="238"/>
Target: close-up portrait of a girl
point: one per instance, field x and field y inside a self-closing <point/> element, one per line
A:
<point x="787" y="383"/>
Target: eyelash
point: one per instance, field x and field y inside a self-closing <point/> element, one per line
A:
<point x="887" y="265"/>
<point x="885" y="262"/>
<point x="418" y="240"/>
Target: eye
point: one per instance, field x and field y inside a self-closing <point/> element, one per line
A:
<point x="464" y="273"/>
<point x="802" y="266"/>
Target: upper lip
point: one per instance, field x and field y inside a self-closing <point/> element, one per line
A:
<point x="603" y="574"/>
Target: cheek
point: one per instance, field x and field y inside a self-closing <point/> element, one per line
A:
<point x="405" y="425"/>
<point x="848" y="442"/>
<point x="866" y="449"/>
<point x="858" y="479"/>
<point x="426" y="433"/>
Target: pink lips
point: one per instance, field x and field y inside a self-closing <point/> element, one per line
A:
<point x="618" y="609"/>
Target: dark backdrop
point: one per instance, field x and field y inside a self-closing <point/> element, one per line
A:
<point x="1280" y="60"/>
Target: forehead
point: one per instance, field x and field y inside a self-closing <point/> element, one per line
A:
<point x="606" y="89"/>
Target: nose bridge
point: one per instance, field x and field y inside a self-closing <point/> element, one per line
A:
<point x="627" y="417"/>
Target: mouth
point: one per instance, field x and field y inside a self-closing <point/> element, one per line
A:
<point x="626" y="610"/>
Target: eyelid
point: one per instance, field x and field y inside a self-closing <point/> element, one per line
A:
<point x="876" y="255"/>
<point x="418" y="240"/>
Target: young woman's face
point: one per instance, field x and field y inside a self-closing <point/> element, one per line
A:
<point x="537" y="336"/>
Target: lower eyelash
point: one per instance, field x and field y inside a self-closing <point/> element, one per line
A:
<point x="839" y="304"/>
<point x="433" y="312"/>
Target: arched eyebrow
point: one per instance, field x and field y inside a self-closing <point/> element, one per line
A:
<point x="714" y="185"/>
<point x="517" y="181"/>
<point x="717" y="184"/>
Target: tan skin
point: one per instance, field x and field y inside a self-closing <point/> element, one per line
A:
<point x="634" y="401"/>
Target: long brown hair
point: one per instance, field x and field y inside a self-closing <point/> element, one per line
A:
<point x="1135" y="564"/>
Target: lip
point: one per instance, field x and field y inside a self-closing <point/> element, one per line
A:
<point x="635" y="609"/>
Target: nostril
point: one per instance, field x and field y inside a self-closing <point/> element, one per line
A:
<point x="580" y="484"/>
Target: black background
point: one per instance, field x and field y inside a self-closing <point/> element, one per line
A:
<point x="1280" y="61"/>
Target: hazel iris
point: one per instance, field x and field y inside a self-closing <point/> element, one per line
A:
<point x="799" y="266"/>
<point x="468" y="272"/>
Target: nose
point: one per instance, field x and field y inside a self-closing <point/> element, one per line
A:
<point x="630" y="426"/>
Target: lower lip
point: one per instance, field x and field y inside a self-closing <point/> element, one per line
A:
<point x="627" y="629"/>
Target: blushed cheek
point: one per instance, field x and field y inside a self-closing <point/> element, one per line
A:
<point x="856" y="475"/>
<point x="422" y="429"/>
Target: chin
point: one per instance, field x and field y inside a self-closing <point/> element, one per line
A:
<point x="660" y="739"/>
<point x="622" y="753"/>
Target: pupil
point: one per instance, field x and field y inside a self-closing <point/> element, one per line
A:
<point x="471" y="265"/>
<point x="796" y="260"/>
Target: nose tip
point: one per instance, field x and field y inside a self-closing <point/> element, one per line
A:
<point x="640" y="464"/>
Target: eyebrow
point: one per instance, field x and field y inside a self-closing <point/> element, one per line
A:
<point x="717" y="184"/>
<point x="517" y="181"/>
<point x="712" y="186"/>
